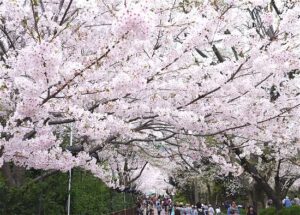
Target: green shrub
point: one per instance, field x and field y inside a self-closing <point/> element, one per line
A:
<point x="295" y="210"/>
<point x="243" y="211"/>
<point x="268" y="211"/>
<point x="49" y="196"/>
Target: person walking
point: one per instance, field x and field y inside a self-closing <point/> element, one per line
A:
<point x="251" y="211"/>
<point x="233" y="209"/>
<point x="287" y="202"/>
<point x="139" y="208"/>
<point x="150" y="209"/>
<point x="158" y="207"/>
<point x="188" y="209"/>
<point x="173" y="210"/>
<point x="194" y="210"/>
<point x="205" y="208"/>
<point x="269" y="203"/>
<point x="211" y="210"/>
<point x="296" y="200"/>
<point x="177" y="210"/>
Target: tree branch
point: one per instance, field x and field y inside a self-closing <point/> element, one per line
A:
<point x="218" y="54"/>
<point x="140" y="173"/>
<point x="65" y="14"/>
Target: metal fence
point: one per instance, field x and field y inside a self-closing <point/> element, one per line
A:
<point x="130" y="211"/>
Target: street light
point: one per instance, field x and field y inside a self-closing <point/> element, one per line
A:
<point x="70" y="173"/>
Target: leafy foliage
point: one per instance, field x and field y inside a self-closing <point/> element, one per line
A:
<point x="294" y="210"/>
<point x="88" y="196"/>
<point x="181" y="197"/>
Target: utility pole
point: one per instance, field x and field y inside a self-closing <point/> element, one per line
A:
<point x="125" y="202"/>
<point x="196" y="191"/>
<point x="70" y="174"/>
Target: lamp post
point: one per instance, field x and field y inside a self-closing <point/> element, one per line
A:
<point x="70" y="174"/>
<point x="125" y="202"/>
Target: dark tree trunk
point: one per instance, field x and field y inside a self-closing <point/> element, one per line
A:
<point x="253" y="201"/>
<point x="259" y="179"/>
<point x="209" y="192"/>
<point x="196" y="192"/>
<point x="14" y="175"/>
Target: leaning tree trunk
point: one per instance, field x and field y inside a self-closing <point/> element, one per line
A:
<point x="264" y="185"/>
<point x="251" y="169"/>
<point x="13" y="175"/>
<point x="283" y="184"/>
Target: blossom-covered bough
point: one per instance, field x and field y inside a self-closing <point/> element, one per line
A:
<point x="147" y="80"/>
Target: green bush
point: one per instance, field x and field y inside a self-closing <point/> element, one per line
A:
<point x="89" y="196"/>
<point x="268" y="211"/>
<point x="295" y="210"/>
<point x="44" y="197"/>
<point x="180" y="198"/>
<point x="243" y="211"/>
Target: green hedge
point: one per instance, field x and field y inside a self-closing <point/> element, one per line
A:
<point x="294" y="210"/>
<point x="89" y="196"/>
<point x="268" y="211"/>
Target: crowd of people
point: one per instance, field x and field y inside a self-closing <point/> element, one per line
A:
<point x="208" y="209"/>
<point x="165" y="206"/>
<point x="199" y="209"/>
<point x="147" y="205"/>
<point x="287" y="202"/>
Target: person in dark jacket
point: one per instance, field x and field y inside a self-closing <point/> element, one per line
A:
<point x="177" y="210"/>
<point x="139" y="210"/>
<point x="251" y="211"/>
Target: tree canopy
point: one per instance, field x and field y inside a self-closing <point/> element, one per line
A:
<point x="174" y="82"/>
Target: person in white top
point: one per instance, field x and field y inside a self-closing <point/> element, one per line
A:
<point x="297" y="200"/>
<point x="211" y="210"/>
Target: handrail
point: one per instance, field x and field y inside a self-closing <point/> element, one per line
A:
<point x="128" y="211"/>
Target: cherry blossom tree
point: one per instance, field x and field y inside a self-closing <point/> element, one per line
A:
<point x="155" y="78"/>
